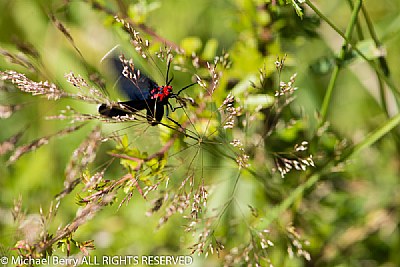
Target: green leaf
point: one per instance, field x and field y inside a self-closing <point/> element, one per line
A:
<point x="79" y="201"/>
<point x="129" y="164"/>
<point x="291" y="132"/>
<point x="243" y="85"/>
<point x="299" y="10"/>
<point x="123" y="145"/>
<point x="210" y="49"/>
<point x="128" y="187"/>
<point x="258" y="101"/>
<point x="154" y="164"/>
<point x="191" y="44"/>
<point x="369" y="49"/>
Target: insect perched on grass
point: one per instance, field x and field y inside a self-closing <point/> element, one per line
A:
<point x="144" y="94"/>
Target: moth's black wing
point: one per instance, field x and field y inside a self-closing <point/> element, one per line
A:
<point x="134" y="89"/>
<point x="155" y="113"/>
<point x="125" y="108"/>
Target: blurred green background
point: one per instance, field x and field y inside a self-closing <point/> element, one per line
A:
<point x="351" y="218"/>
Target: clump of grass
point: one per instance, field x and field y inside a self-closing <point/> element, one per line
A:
<point x="145" y="173"/>
<point x="214" y="123"/>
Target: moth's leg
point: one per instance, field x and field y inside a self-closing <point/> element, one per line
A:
<point x="174" y="108"/>
<point x="168" y="106"/>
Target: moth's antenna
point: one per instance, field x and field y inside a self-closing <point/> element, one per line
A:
<point x="109" y="52"/>
<point x="169" y="59"/>
<point x="184" y="88"/>
<point x="169" y="82"/>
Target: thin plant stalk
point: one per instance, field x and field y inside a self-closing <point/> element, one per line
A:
<point x="383" y="64"/>
<point x="342" y="54"/>
<point x="373" y="65"/>
<point x="358" y="24"/>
